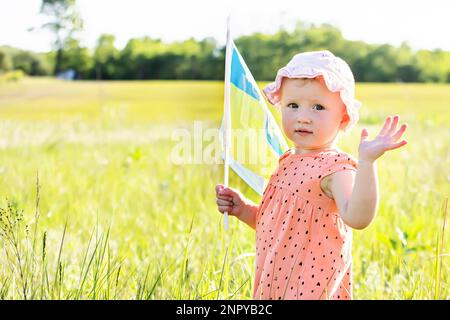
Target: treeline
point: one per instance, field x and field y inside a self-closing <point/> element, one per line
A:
<point x="33" y="64"/>
<point x="148" y="58"/>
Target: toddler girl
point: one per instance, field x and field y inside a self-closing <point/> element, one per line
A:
<point x="318" y="193"/>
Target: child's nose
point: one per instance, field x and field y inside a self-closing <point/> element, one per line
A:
<point x="303" y="117"/>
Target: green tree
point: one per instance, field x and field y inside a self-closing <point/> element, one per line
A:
<point x="77" y="58"/>
<point x="105" y="57"/>
<point x="28" y="63"/>
<point x="135" y="58"/>
<point x="407" y="68"/>
<point x="211" y="63"/>
<point x="147" y="58"/>
<point x="434" y="65"/>
<point x="64" y="22"/>
<point x="31" y="63"/>
<point x="380" y="64"/>
<point x="5" y="62"/>
<point x="257" y="51"/>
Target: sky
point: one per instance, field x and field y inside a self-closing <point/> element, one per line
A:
<point x="422" y="24"/>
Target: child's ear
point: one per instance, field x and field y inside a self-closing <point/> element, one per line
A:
<point x="345" y="120"/>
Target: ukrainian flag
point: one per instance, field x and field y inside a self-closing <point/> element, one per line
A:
<point x="251" y="137"/>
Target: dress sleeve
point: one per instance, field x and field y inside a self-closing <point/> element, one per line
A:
<point x="339" y="162"/>
<point x="285" y="155"/>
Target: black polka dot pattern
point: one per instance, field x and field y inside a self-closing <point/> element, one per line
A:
<point x="303" y="248"/>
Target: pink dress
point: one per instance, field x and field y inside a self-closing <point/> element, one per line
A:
<point x="303" y="247"/>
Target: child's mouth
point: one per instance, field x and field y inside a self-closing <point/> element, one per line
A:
<point x="303" y="132"/>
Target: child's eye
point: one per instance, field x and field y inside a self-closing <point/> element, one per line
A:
<point x="318" y="107"/>
<point x="292" y="105"/>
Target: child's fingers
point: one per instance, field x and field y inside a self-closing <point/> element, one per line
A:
<point x="226" y="192"/>
<point x="220" y="194"/>
<point x="225" y="209"/>
<point x="397" y="145"/>
<point x="400" y="132"/>
<point x="364" y="134"/>
<point x="393" y="126"/>
<point x="221" y="202"/>
<point x="387" y="123"/>
<point x="219" y="187"/>
<point x="228" y="198"/>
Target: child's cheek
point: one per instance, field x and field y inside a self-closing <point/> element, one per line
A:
<point x="286" y="128"/>
<point x="286" y="120"/>
<point x="324" y="118"/>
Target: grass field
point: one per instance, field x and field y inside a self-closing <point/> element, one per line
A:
<point x="93" y="207"/>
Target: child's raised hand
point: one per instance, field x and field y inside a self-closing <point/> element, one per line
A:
<point x="386" y="140"/>
<point x="230" y="200"/>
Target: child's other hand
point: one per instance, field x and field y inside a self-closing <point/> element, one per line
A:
<point x="386" y="140"/>
<point x="230" y="200"/>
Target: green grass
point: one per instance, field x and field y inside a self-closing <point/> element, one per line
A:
<point x="97" y="210"/>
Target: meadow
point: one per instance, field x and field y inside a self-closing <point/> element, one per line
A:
<point x="92" y="207"/>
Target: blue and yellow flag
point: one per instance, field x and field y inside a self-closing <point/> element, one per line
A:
<point x="251" y="138"/>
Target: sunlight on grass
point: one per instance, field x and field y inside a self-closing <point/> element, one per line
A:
<point x="93" y="208"/>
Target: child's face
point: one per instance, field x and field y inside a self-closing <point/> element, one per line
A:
<point x="307" y="104"/>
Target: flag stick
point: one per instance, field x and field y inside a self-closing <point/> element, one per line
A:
<point x="227" y="113"/>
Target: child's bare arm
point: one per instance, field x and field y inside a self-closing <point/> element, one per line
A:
<point x="356" y="195"/>
<point x="249" y="215"/>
